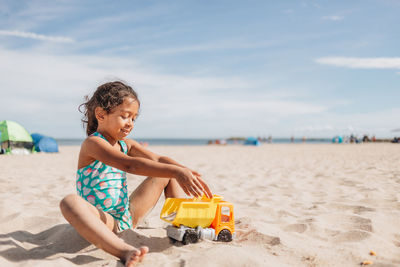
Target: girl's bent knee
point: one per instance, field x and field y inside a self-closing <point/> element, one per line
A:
<point x="68" y="202"/>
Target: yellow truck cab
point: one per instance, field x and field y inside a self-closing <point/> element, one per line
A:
<point x="199" y="218"/>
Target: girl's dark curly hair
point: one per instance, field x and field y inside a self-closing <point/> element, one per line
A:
<point x="107" y="96"/>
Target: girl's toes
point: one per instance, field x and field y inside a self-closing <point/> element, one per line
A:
<point x="143" y="251"/>
<point x="132" y="257"/>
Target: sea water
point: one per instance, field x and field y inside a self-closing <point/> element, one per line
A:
<point x="197" y="141"/>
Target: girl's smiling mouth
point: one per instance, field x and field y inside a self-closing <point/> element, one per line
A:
<point x="125" y="131"/>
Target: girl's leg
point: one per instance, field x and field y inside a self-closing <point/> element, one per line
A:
<point x="146" y="195"/>
<point x="97" y="227"/>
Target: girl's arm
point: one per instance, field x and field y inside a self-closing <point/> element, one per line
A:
<point x="95" y="148"/>
<point x="137" y="150"/>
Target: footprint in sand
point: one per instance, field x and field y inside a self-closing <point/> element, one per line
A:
<point x="351" y="236"/>
<point x="297" y="227"/>
<point x="356" y="209"/>
<point x="247" y="234"/>
<point x="254" y="204"/>
<point x="346" y="228"/>
<point x="396" y="242"/>
<point x="252" y="236"/>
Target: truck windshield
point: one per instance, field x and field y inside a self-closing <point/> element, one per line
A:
<point x="225" y="214"/>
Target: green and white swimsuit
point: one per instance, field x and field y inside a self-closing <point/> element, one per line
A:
<point x="105" y="188"/>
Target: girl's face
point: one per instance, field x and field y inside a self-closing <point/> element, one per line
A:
<point x="119" y="122"/>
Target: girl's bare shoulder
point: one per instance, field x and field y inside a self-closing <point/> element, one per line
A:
<point x="87" y="153"/>
<point x="91" y="142"/>
<point x="95" y="148"/>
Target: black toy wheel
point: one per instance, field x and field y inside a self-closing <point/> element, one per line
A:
<point x="224" y="236"/>
<point x="190" y="237"/>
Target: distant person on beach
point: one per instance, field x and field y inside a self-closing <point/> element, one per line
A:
<point x="102" y="208"/>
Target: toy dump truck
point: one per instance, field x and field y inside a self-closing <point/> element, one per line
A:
<point x="199" y="218"/>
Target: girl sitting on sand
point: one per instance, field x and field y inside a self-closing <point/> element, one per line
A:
<point x="102" y="208"/>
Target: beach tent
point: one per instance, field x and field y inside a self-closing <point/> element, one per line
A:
<point x="251" y="141"/>
<point x="14" y="138"/>
<point x="2" y="151"/>
<point x="337" y="140"/>
<point x="44" y="143"/>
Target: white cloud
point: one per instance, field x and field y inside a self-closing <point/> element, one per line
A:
<point x="43" y="91"/>
<point x="362" y="63"/>
<point x="35" y="36"/>
<point x="218" y="45"/>
<point x="333" y="18"/>
<point x="279" y="107"/>
<point x="315" y="128"/>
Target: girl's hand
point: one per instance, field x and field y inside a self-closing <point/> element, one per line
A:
<point x="206" y="189"/>
<point x="192" y="183"/>
<point x="195" y="173"/>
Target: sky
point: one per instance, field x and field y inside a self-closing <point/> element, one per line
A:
<point x="206" y="69"/>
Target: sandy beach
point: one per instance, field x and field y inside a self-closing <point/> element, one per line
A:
<point x="295" y="205"/>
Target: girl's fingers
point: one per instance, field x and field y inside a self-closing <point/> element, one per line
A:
<point x="197" y="190"/>
<point x="186" y="191"/>
<point x="206" y="190"/>
<point x="202" y="185"/>
<point x="184" y="188"/>
<point x="198" y="185"/>
<point x="195" y="186"/>
<point x="196" y="173"/>
<point x="193" y="192"/>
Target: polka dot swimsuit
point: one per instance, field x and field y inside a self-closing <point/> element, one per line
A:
<point x="105" y="188"/>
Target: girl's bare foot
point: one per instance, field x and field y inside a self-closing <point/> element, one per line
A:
<point x="134" y="256"/>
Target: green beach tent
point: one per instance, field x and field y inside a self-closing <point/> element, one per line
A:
<point x="14" y="138"/>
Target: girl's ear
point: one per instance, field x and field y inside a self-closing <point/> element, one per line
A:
<point x="99" y="113"/>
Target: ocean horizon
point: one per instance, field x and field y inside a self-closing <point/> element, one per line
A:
<point x="197" y="141"/>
